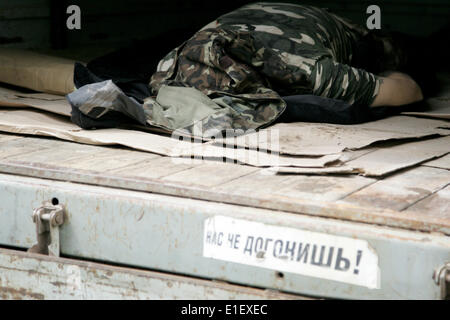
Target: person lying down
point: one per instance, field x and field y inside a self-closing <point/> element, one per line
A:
<point x="268" y="62"/>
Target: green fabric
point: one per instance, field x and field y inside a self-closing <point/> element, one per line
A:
<point x="248" y="58"/>
<point x="179" y="107"/>
<point x="232" y="74"/>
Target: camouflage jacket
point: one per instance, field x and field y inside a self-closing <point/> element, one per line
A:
<point x="247" y="59"/>
<point x="232" y="74"/>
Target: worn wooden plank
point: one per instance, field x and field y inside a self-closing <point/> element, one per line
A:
<point x="58" y="153"/>
<point x="437" y="204"/>
<point x="37" y="277"/>
<point x="109" y="159"/>
<point x="155" y="168"/>
<point x="442" y="162"/>
<point x="289" y="199"/>
<point x="261" y="185"/>
<point x="210" y="174"/>
<point x="401" y="190"/>
<point x="75" y="156"/>
<point x="388" y="160"/>
<point x="242" y="196"/>
<point x="24" y="146"/>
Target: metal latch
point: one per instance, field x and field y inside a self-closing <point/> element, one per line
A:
<point x="47" y="218"/>
<point x="441" y="277"/>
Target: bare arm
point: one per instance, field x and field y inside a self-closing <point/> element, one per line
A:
<point x="397" y="89"/>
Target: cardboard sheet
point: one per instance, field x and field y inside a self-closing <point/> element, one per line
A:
<point x="443" y="162"/>
<point x="256" y="158"/>
<point x="303" y="138"/>
<point x="53" y="103"/>
<point x="327" y="170"/>
<point x="306" y="148"/>
<point x="48" y="102"/>
<point x="36" y="71"/>
<point x="438" y="108"/>
<point x="44" y="124"/>
<point x="380" y="161"/>
<point x="387" y="160"/>
<point x="339" y="167"/>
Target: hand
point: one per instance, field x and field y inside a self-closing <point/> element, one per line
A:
<point x="397" y="89"/>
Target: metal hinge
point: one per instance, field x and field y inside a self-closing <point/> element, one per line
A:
<point x="441" y="277"/>
<point x="47" y="218"/>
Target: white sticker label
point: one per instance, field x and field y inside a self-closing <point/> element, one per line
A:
<point x="297" y="251"/>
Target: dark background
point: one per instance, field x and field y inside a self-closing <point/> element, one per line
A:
<point x="109" y="24"/>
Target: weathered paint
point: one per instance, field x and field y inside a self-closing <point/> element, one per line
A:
<point x="38" y="277"/>
<point x="343" y="211"/>
<point x="165" y="233"/>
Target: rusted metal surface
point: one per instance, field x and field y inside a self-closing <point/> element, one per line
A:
<point x="48" y="218"/>
<point x="441" y="277"/>
<point x="165" y="233"/>
<point x="38" y="277"/>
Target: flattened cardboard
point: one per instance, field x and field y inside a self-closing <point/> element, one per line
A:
<point x="438" y="108"/>
<point x="48" y="102"/>
<point x="326" y="170"/>
<point x="37" y="123"/>
<point x="387" y="160"/>
<point x="374" y="161"/>
<point x="443" y="163"/>
<point x="256" y="158"/>
<point x="303" y="138"/>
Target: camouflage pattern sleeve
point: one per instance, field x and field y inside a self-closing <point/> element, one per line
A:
<point x="238" y="67"/>
<point x="246" y="60"/>
<point x="340" y="81"/>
